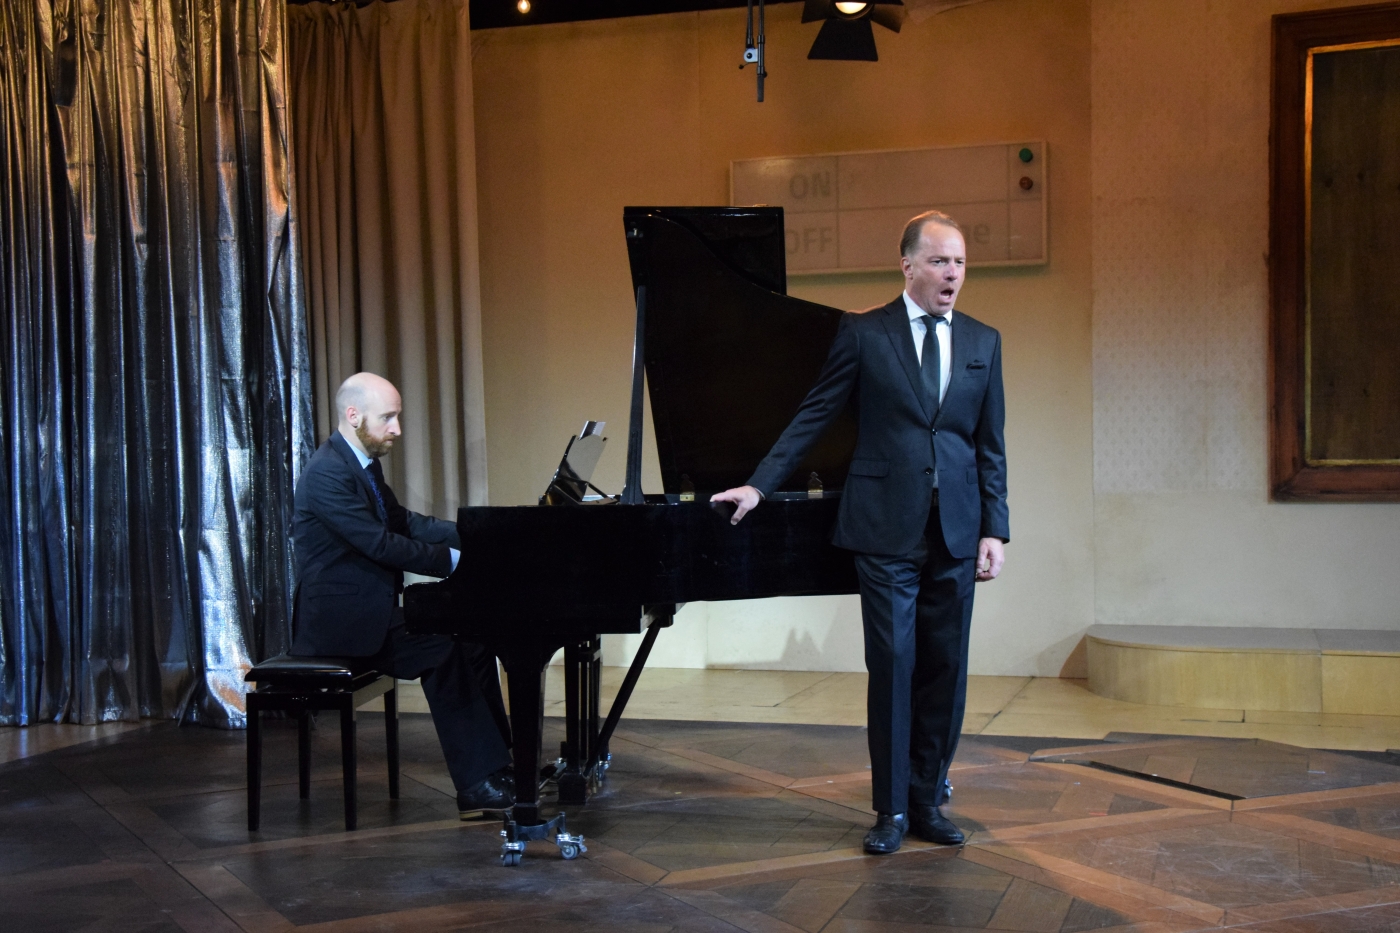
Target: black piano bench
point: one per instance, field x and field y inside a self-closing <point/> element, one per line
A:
<point x="299" y="686"/>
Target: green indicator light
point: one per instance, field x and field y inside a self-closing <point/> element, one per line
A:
<point x="1026" y="155"/>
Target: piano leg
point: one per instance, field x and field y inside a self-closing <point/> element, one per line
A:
<point x="571" y="785"/>
<point x="525" y="666"/>
<point x="525" y="676"/>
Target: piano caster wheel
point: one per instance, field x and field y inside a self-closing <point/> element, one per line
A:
<point x="570" y="846"/>
<point x="514" y="837"/>
<point x="511" y="852"/>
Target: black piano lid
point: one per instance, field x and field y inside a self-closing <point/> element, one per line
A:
<point x="729" y="356"/>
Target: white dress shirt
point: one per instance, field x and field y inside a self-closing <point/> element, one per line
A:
<point x="364" y="465"/>
<point x="945" y="341"/>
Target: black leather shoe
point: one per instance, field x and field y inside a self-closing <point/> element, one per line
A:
<point x="930" y="825"/>
<point x="494" y="793"/>
<point x="887" y="835"/>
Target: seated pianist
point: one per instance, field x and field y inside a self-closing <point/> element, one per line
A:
<point x="353" y="543"/>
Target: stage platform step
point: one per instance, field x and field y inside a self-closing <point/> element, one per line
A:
<point x="1348" y="671"/>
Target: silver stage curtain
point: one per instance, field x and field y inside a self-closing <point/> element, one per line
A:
<point x="154" y="381"/>
<point x="385" y="164"/>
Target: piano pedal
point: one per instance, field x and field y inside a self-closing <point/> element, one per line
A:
<point x="574" y="788"/>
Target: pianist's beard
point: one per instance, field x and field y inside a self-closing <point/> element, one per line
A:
<point x="375" y="447"/>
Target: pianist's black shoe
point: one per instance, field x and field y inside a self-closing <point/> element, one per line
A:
<point x="887" y="834"/>
<point x="496" y="792"/>
<point x="930" y="825"/>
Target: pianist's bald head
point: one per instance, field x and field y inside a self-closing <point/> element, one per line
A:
<point x="368" y="407"/>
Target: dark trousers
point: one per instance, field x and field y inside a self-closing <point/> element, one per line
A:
<point x="917" y="611"/>
<point x="463" y="690"/>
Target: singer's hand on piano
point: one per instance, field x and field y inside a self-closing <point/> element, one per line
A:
<point x="745" y="498"/>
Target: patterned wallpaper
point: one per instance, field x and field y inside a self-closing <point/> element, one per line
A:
<point x="1180" y="232"/>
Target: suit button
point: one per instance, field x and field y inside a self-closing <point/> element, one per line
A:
<point x="935" y="432"/>
<point x="928" y="472"/>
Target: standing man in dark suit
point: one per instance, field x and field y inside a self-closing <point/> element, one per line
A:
<point x="924" y="510"/>
<point x="353" y="543"/>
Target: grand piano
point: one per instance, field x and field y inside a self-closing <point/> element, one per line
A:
<point x="727" y="357"/>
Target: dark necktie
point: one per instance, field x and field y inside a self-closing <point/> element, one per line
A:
<point x="376" y="482"/>
<point x="930" y="370"/>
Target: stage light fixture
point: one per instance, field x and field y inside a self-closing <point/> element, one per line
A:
<point x="523" y="6"/>
<point x="846" y="33"/>
<point x="753" y="47"/>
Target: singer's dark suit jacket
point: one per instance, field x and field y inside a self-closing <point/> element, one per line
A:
<point x="902" y="435"/>
<point x="351" y="561"/>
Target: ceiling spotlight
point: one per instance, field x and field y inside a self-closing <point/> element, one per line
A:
<point x="846" y="33"/>
<point x="753" y="47"/>
<point x="523" y="6"/>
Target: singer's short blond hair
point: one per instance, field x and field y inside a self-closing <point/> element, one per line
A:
<point x="915" y="229"/>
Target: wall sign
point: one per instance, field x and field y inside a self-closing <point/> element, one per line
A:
<point x="845" y="212"/>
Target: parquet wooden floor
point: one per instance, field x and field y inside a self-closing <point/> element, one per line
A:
<point x="706" y="827"/>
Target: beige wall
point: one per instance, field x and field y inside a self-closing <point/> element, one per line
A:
<point x="1184" y="529"/>
<point x="1134" y="379"/>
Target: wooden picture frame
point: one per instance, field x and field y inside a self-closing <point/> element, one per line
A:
<point x="1301" y="467"/>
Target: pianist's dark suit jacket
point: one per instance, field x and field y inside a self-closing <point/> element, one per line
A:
<point x="901" y="435"/>
<point x="351" y="561"/>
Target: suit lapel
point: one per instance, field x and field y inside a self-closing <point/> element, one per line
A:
<point x="896" y="323"/>
<point x="342" y="447"/>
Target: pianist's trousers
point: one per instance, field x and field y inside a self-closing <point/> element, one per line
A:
<point x="463" y="690"/>
<point x="917" y="610"/>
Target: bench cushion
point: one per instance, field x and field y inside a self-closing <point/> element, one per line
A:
<point x="318" y="673"/>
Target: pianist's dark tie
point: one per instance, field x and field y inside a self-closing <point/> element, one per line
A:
<point x="376" y="482"/>
<point x="931" y="369"/>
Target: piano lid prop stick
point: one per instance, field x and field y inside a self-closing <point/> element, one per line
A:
<point x="632" y="488"/>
